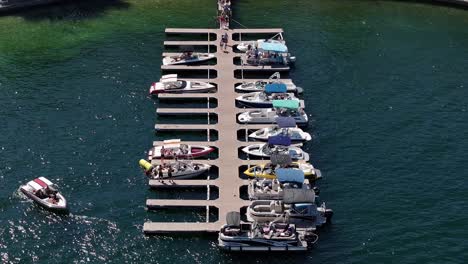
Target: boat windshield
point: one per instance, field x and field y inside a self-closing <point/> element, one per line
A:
<point x="176" y="85"/>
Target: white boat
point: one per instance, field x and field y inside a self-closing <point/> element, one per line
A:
<point x="174" y="148"/>
<point x="263" y="99"/>
<point x="266" y="150"/>
<point x="238" y="236"/>
<point x="286" y="126"/>
<point x="259" y="86"/>
<point x="171" y="84"/>
<point x="273" y="189"/>
<point x="45" y="193"/>
<point x="290" y="108"/>
<point x="187" y="57"/>
<point x="296" y="134"/>
<point x="174" y="170"/>
<point x="252" y="44"/>
<point x="297" y="206"/>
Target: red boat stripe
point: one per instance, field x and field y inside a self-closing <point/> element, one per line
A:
<point x="41" y="183"/>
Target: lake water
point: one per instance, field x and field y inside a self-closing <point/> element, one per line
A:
<point x="385" y="85"/>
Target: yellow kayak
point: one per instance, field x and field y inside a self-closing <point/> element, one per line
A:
<point x="268" y="170"/>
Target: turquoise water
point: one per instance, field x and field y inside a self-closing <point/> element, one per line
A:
<point x="385" y="86"/>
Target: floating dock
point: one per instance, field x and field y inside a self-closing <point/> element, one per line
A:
<point x="228" y="162"/>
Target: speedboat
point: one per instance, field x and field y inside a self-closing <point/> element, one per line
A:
<point x="281" y="108"/>
<point x="263" y="99"/>
<point x="273" y="189"/>
<point x="174" y="170"/>
<point x="171" y="84"/>
<point x="285" y="126"/>
<point x="275" y="145"/>
<point x="237" y="236"/>
<point x="265" y="150"/>
<point x="266" y="97"/>
<point x="187" y="57"/>
<point x="45" y="193"/>
<point x="259" y="86"/>
<point x="297" y="206"/>
<point x="175" y="149"/>
<point x="270" y="170"/>
<point x="245" y="45"/>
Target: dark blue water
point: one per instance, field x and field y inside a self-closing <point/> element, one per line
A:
<point x="385" y="87"/>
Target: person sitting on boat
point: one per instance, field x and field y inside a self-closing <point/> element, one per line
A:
<point x="40" y="193"/>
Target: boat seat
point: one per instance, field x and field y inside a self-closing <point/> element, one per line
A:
<point x="262" y="208"/>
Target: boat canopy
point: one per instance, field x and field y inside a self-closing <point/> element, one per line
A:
<point x="281" y="159"/>
<point x="275" y="88"/>
<point x="290" y="175"/>
<point x="293" y="195"/>
<point x="286" y="122"/>
<point x="289" y="104"/>
<point x="279" y="140"/>
<point x="274" y="46"/>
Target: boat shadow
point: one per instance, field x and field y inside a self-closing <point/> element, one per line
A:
<point x="69" y="10"/>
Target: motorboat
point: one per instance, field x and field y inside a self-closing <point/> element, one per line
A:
<point x="43" y="192"/>
<point x="277" y="144"/>
<point x="285" y="126"/>
<point x="248" y="45"/>
<point x="270" y="170"/>
<point x="244" y="236"/>
<point x="265" y="98"/>
<point x="174" y="148"/>
<point x="259" y="86"/>
<point x="281" y="108"/>
<point x="297" y="206"/>
<point x="273" y="189"/>
<point x="174" y="170"/>
<point x="171" y="84"/>
<point x="269" y="53"/>
<point x="187" y="57"/>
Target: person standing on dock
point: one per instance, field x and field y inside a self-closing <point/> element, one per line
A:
<point x="224" y="41"/>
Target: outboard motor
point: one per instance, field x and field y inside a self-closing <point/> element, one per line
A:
<point x="316" y="190"/>
<point x="310" y="237"/>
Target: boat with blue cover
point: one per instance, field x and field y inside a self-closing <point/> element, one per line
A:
<point x="269" y="53"/>
<point x="265" y="98"/>
<point x="273" y="189"/>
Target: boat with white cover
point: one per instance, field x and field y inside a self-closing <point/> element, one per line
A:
<point x="285" y="126"/>
<point x="273" y="189"/>
<point x="174" y="169"/>
<point x="281" y="108"/>
<point x="259" y="86"/>
<point x="238" y="236"/>
<point x="43" y="192"/>
<point x="297" y="206"/>
<point x="276" y="144"/>
<point x="174" y="148"/>
<point x="171" y="84"/>
<point x="187" y="57"/>
<point x="265" y="98"/>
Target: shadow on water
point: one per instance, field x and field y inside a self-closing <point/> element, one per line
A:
<point x="71" y="10"/>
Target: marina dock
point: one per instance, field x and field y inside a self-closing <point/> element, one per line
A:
<point x="228" y="161"/>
